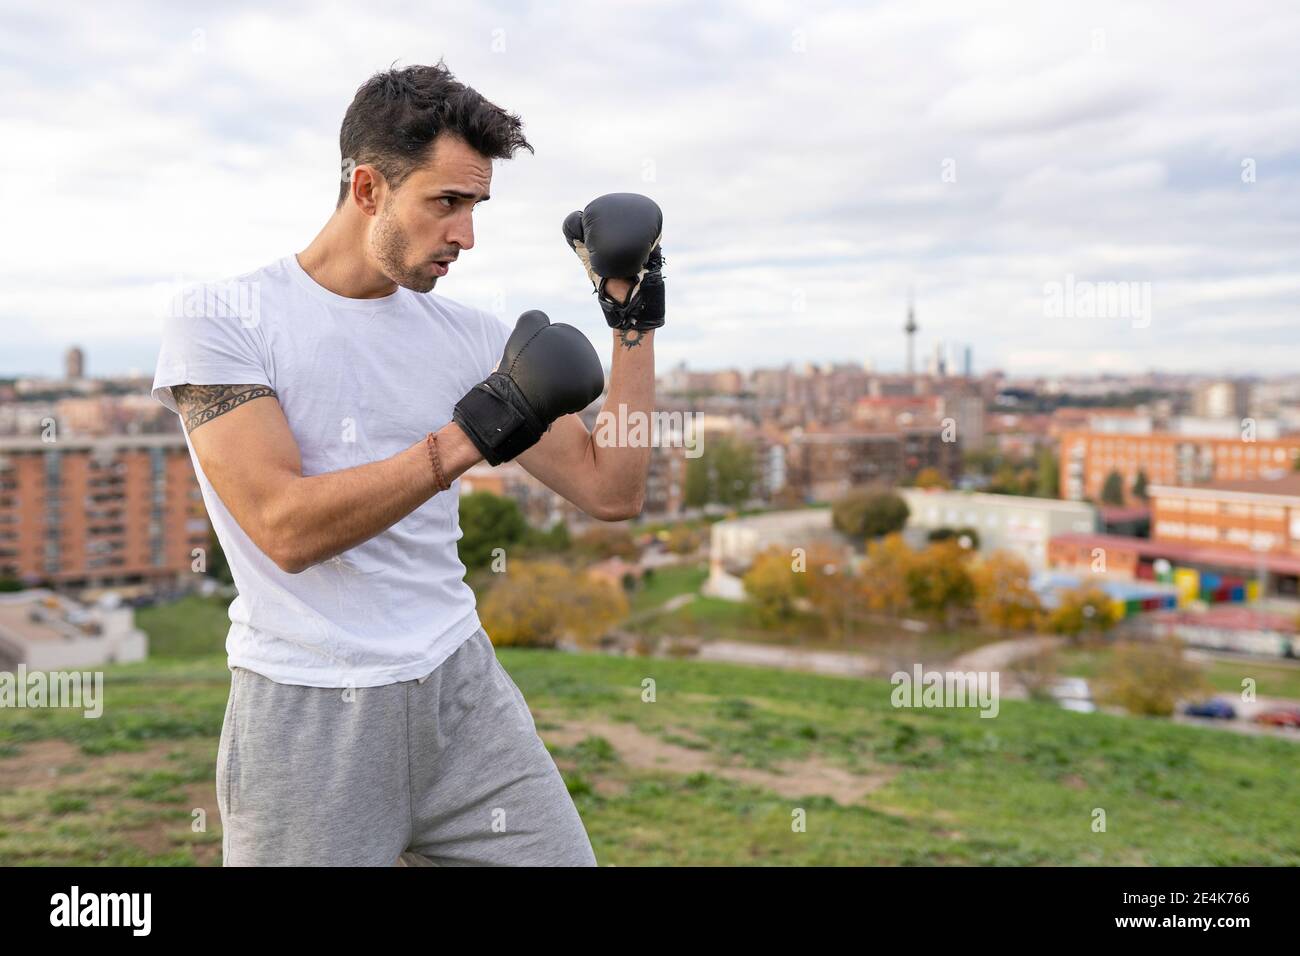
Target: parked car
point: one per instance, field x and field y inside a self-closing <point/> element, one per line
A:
<point x="1214" y="707"/>
<point x="1279" y="717"/>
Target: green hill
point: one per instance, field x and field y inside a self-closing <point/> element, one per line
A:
<point x="714" y="772"/>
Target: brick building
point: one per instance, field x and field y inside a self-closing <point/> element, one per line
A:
<point x="1087" y="457"/>
<point x="99" y="511"/>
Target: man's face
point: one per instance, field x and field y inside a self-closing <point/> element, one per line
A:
<point x="426" y="222"/>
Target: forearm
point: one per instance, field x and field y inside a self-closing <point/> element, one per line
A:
<point x="621" y="441"/>
<point x="318" y="517"/>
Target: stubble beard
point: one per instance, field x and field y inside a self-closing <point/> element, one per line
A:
<point x="390" y="247"/>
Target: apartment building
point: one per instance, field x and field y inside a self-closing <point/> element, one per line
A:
<point x="89" y="512"/>
<point x="1252" y="516"/>
<point x="1087" y="457"/>
<point x="824" y="465"/>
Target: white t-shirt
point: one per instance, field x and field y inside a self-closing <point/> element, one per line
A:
<point x="359" y="381"/>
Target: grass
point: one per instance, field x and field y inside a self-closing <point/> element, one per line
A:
<point x="955" y="788"/>
<point x="188" y="628"/>
<point x="667" y="583"/>
<point x="1017" y="789"/>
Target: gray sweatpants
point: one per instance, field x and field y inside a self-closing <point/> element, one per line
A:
<point x="446" y="770"/>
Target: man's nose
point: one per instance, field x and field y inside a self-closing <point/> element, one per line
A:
<point x="462" y="231"/>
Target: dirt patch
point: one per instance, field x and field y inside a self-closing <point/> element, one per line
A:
<point x="55" y="765"/>
<point x="643" y="751"/>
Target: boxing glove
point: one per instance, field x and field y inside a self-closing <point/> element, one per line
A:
<point x="617" y="237"/>
<point x="546" y="371"/>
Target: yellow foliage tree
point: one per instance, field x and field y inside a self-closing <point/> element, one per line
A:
<point x="538" y="603"/>
<point x="773" y="584"/>
<point x="1003" y="597"/>
<point x="939" y="580"/>
<point x="884" y="579"/>
<point x="931" y="478"/>
<point x="1083" y="610"/>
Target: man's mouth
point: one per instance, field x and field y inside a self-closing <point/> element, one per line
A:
<point x="441" y="266"/>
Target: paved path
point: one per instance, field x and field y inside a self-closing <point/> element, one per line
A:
<point x="994" y="657"/>
<point x="791" y="658"/>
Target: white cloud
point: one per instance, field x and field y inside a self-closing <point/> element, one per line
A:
<point x="798" y="152"/>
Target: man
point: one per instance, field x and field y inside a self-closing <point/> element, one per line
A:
<point x="330" y="402"/>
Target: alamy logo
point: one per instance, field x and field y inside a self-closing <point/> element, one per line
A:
<point x="1098" y="300"/>
<point x="102" y="909"/>
<point x="78" y="690"/>
<point x="924" y="688"/>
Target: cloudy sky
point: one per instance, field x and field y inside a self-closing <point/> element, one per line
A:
<point x="815" y="163"/>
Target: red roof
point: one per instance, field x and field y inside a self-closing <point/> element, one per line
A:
<point x="1112" y="514"/>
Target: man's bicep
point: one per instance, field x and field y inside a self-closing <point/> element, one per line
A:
<point x="564" y="462"/>
<point x="246" y="448"/>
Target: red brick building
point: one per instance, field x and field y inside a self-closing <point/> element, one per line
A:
<point x="99" y="511"/>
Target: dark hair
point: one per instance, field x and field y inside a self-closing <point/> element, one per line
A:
<point x="397" y="114"/>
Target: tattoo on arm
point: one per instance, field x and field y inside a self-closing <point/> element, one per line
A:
<point x="202" y="403"/>
<point x="630" y="338"/>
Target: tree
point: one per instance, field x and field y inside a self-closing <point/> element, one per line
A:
<point x="773" y="585"/>
<point x="1048" y="483"/>
<point x="1140" y="485"/>
<point x="884" y="578"/>
<point x="930" y="478"/>
<point x="1083" y="610"/>
<point x="866" y="513"/>
<point x="971" y="535"/>
<point x="685" y="539"/>
<point x="1003" y="597"/>
<point x="833" y="590"/>
<point x="538" y="603"/>
<point x="487" y="522"/>
<point x="939" y="580"/>
<point x="1149" y="677"/>
<point x="723" y="475"/>
<point x="1112" y="492"/>
<point x="606" y="541"/>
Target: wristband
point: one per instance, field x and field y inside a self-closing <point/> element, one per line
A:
<point x="431" y="443"/>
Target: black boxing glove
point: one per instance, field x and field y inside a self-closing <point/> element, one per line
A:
<point x="617" y="237"/>
<point x="546" y="371"/>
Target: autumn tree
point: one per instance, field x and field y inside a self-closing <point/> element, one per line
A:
<point x="773" y="584"/>
<point x="1081" y="611"/>
<point x="939" y="580"/>
<point x="930" y="478"/>
<point x="884" y="576"/>
<point x="1003" y="598"/>
<point x="604" y="541"/>
<point x="539" y="603"/>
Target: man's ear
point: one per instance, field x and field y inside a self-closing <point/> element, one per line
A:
<point x="366" y="184"/>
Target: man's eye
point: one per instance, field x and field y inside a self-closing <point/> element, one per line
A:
<point x="449" y="200"/>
